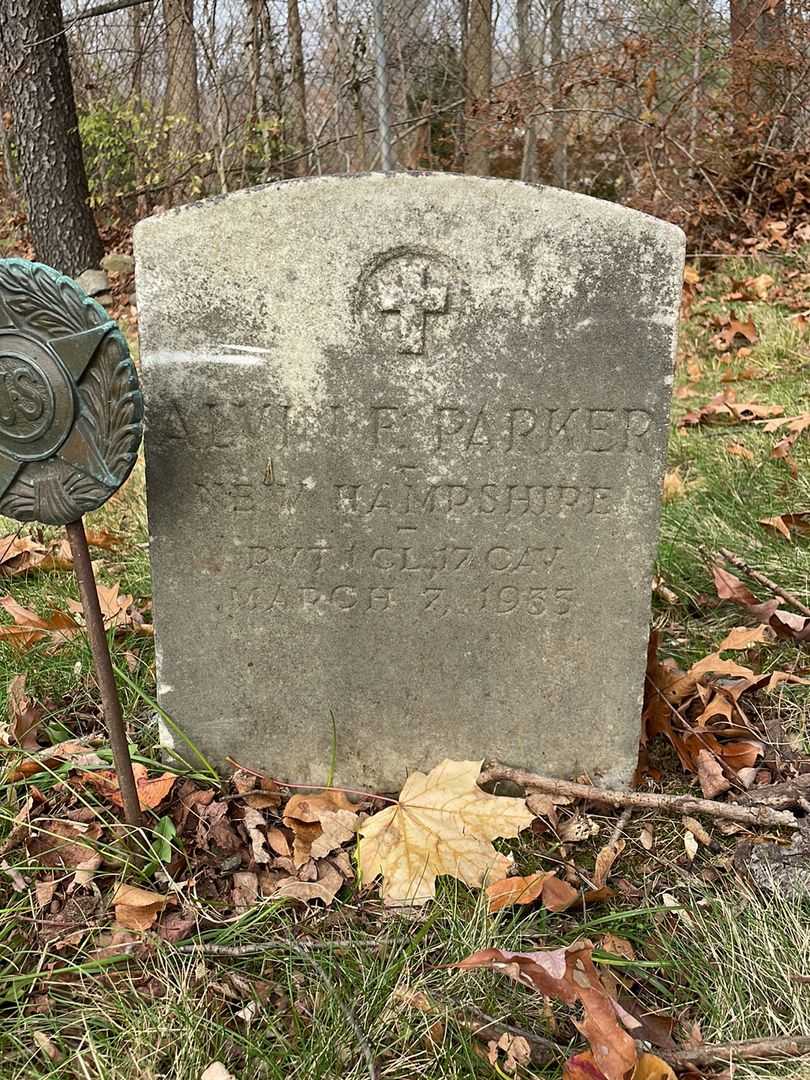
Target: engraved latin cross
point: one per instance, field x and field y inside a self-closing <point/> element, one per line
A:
<point x="413" y="300"/>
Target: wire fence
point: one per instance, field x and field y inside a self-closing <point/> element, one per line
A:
<point x="691" y="109"/>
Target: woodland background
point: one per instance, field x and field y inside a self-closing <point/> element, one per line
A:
<point x="695" y="111"/>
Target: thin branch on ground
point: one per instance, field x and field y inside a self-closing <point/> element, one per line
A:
<point x="762" y="579"/>
<point x="780" y="796"/>
<point x="792" y="1046"/>
<point x="481" y="1025"/>
<point x="647" y="800"/>
<point x="258" y="948"/>
<point x="620" y="826"/>
<point x="351" y="1019"/>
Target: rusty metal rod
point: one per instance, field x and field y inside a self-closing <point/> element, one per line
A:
<point x="110" y="702"/>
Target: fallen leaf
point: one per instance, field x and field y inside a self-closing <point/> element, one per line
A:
<point x="650" y="1067"/>
<point x="245" y="890"/>
<point x="690" y="845"/>
<point x="724" y="409"/>
<point x="217" y="1071"/>
<point x="617" y="946"/>
<point x="577" y="828"/>
<point x="255" y="825"/>
<point x="443" y="823"/>
<point x="320" y="823"/>
<point x="47" y="1046"/>
<point x="605" y="860"/>
<point x="29" y="627"/>
<point x="44" y="891"/>
<point x="738" y="450"/>
<point x="118" y="610"/>
<point x="743" y="637"/>
<point x="786" y="524"/>
<point x="673" y="486"/>
<point x="582" y="1067"/>
<point x="260" y="792"/>
<point x="151" y="790"/>
<point x="24" y="717"/>
<point x="278" y="842"/>
<point x="786" y="624"/>
<point x="761" y="285"/>
<point x="326" y="888"/>
<point x="556" y="895"/>
<point x="710" y="773"/>
<point x="517" y="1051"/>
<point x="77" y="751"/>
<point x="733" y="330"/>
<point x="58" y="842"/>
<point x="135" y="908"/>
<point x="568" y="975"/>
<point x="103" y="538"/>
<point x="716" y="665"/>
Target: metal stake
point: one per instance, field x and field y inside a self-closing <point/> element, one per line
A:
<point x="110" y="702"/>
<point x="381" y="85"/>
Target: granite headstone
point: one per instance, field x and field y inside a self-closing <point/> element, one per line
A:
<point x="405" y="441"/>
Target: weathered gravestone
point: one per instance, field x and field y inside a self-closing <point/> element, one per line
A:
<point x="405" y="445"/>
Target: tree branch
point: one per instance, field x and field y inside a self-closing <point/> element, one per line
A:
<point x="647" y="800"/>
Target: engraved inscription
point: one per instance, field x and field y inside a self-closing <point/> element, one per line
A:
<point x="514" y="429"/>
<point x="411" y="295"/>
<point x="26" y="407"/>
<point x="403" y="293"/>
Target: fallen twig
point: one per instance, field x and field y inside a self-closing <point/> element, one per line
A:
<point x="758" y="576"/>
<point x="792" y="1046"/>
<point x="344" y="1007"/>
<point x="258" y="948"/>
<point x="781" y="796"/>
<point x="620" y="826"/>
<point x="666" y="804"/>
<point x="481" y="1026"/>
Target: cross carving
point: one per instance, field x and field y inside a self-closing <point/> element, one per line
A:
<point x="413" y="302"/>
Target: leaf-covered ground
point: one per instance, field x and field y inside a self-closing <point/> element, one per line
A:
<point x="243" y="937"/>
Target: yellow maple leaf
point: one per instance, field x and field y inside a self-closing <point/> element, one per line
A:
<point x="442" y="824"/>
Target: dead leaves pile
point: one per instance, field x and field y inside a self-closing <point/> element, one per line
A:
<point x="119" y="611"/>
<point x="733" y="336"/>
<point x="569" y="975"/>
<point x="770" y="614"/>
<point x="725" y="409"/>
<point x="21" y="555"/>
<point x="703" y="711"/>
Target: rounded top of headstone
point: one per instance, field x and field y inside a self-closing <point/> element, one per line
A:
<point x="71" y="412"/>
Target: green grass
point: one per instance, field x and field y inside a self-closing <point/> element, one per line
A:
<point x="726" y="495"/>
<point x="326" y="987"/>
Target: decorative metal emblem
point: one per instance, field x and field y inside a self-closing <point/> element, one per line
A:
<point x="71" y="413"/>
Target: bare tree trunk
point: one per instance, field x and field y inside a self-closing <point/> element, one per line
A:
<point x="136" y="93"/>
<point x="8" y="159"/>
<point x="182" y="102"/>
<point x="461" y="132"/>
<point x="528" y="166"/>
<point x="35" y="72"/>
<point x="253" y="122"/>
<point x="697" y="83"/>
<point x="274" y="69"/>
<point x="297" y="113"/>
<point x="478" y="87"/>
<point x="759" y="45"/>
<point x="222" y="117"/>
<point x="336" y="53"/>
<point x="559" y="126"/>
<point x="358" y="58"/>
